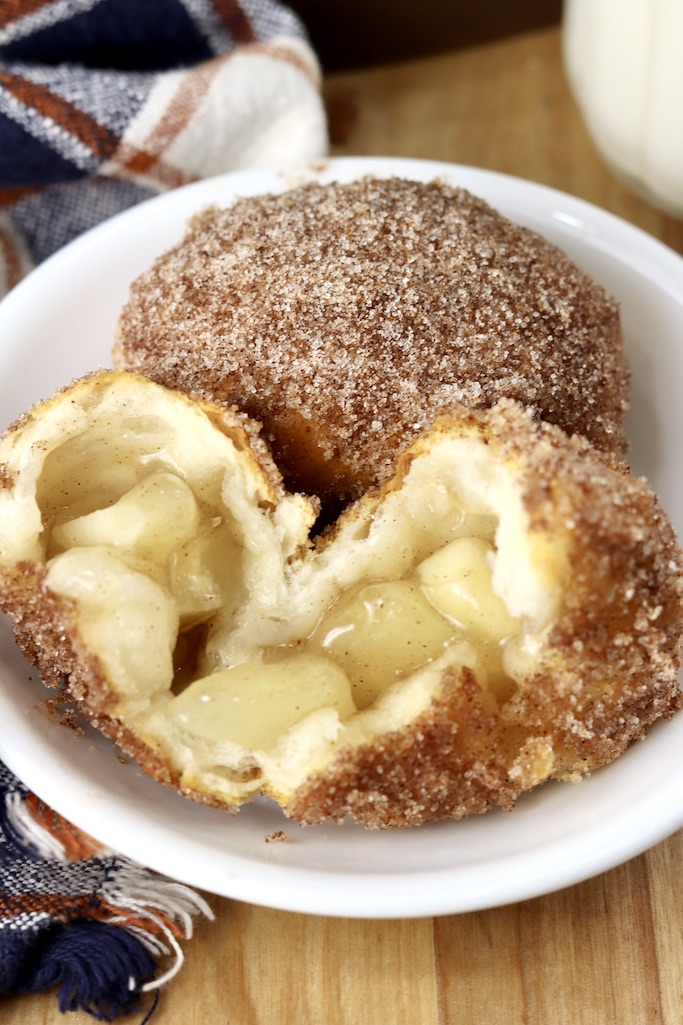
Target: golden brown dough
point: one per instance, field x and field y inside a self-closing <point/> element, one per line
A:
<point x="346" y="317"/>
<point x="506" y="609"/>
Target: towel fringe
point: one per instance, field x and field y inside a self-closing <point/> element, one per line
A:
<point x="29" y="831"/>
<point x="156" y="910"/>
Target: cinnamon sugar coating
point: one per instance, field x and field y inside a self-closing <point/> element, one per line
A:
<point x="346" y="317"/>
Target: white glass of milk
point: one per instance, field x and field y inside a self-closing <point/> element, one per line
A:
<point x="624" y="61"/>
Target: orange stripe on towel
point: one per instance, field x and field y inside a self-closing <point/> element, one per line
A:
<point x="12" y="10"/>
<point x="55" y="108"/>
<point x="77" y="844"/>
<point x="235" y="20"/>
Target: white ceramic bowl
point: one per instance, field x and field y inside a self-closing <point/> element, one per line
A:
<point x="59" y="323"/>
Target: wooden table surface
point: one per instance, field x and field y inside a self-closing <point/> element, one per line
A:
<point x="606" y="952"/>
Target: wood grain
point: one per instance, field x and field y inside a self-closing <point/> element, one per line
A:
<point x="504" y="106"/>
<point x="606" y="952"/>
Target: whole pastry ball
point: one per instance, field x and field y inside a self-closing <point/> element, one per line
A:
<point x="347" y="317"/>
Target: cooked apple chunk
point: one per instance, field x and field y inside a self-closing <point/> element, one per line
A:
<point x="506" y="610"/>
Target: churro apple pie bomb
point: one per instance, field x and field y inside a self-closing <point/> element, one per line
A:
<point x="505" y="609"/>
<point x="346" y="317"/>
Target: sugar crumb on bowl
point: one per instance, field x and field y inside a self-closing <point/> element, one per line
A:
<point x="278" y="836"/>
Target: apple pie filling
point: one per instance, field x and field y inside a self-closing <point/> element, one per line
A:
<point x="158" y="576"/>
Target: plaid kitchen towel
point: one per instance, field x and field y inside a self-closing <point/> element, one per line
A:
<point x="107" y="102"/>
<point x="79" y="918"/>
<point x="104" y="103"/>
